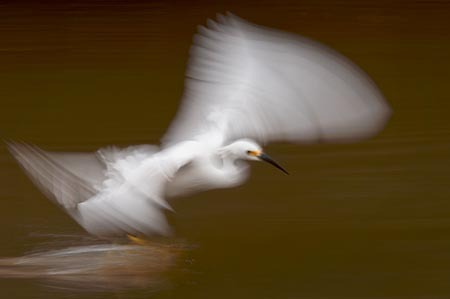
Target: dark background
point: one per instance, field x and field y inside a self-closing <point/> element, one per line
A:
<point x="366" y="220"/>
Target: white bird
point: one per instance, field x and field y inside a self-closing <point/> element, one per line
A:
<point x="246" y="85"/>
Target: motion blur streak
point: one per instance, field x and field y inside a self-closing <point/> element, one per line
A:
<point x="359" y="220"/>
<point x="95" y="266"/>
<point x="246" y="86"/>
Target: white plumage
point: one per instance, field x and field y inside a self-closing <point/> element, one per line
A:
<point x="245" y="85"/>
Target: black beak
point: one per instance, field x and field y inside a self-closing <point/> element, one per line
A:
<point x="266" y="158"/>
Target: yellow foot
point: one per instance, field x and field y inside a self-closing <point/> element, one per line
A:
<point x="137" y="240"/>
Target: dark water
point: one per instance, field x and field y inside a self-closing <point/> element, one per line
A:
<point x="368" y="220"/>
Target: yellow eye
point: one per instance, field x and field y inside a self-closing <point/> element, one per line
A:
<point x="253" y="153"/>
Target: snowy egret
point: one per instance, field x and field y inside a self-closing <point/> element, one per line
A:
<point x="246" y="85"/>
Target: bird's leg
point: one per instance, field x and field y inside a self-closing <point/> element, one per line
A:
<point x="137" y="240"/>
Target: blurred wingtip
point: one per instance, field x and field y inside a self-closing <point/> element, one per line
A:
<point x="166" y="206"/>
<point x="16" y="148"/>
<point x="226" y="18"/>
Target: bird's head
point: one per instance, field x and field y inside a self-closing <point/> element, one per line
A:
<point x="247" y="149"/>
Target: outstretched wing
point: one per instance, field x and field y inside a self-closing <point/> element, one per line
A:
<point x="247" y="81"/>
<point x="110" y="192"/>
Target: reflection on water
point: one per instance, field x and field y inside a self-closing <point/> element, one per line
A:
<point x="92" y="265"/>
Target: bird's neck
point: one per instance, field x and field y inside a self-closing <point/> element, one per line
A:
<point x="232" y="162"/>
<point x="235" y="169"/>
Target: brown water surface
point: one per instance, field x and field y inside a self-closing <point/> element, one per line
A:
<point x="367" y="220"/>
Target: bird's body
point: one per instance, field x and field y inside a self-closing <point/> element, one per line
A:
<point x="210" y="169"/>
<point x="246" y="85"/>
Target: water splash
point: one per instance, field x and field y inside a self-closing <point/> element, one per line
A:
<point x="94" y="266"/>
